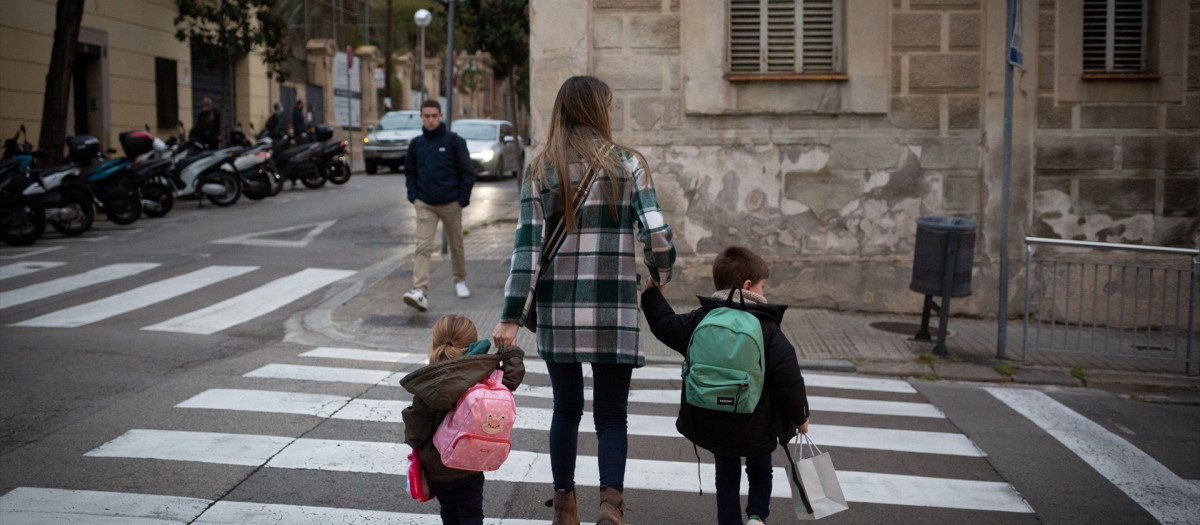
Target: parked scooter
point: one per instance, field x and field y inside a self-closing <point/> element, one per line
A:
<point x="333" y="160"/>
<point x="114" y="190"/>
<point x="22" y="219"/>
<point x="197" y="171"/>
<point x="149" y="174"/>
<point x="302" y="162"/>
<point x="253" y="167"/>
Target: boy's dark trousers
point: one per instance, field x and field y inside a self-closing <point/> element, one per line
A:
<point x="729" y="481"/>
<point x="461" y="500"/>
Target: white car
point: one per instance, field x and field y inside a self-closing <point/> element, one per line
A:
<point x="387" y="144"/>
<point x="496" y="149"/>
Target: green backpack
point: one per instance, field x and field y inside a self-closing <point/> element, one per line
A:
<point x="725" y="364"/>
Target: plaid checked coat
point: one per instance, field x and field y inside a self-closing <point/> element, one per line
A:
<point x="588" y="297"/>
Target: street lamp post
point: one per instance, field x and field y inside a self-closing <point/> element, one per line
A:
<point x="450" y="64"/>
<point x="422" y="18"/>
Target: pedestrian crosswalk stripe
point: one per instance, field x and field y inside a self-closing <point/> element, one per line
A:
<point x="662" y="397"/>
<point x="72" y="283"/>
<point x="26" y="267"/>
<point x="355" y="354"/>
<point x="389" y="411"/>
<point x="137" y="298"/>
<point x="1156" y="488"/>
<point x="27" y="505"/>
<point x="254" y="303"/>
<point x="531" y="467"/>
<point x="364" y="376"/>
<point x="811" y="379"/>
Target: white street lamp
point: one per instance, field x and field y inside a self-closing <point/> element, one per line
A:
<point x="423" y="19"/>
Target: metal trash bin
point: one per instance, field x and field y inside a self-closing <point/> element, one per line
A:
<point x="942" y="262"/>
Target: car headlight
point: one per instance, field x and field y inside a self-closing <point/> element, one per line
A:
<point x="366" y="140"/>
<point x="484" y="156"/>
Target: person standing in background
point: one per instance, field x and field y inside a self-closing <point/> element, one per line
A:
<point x="299" y="123"/>
<point x="207" y="127"/>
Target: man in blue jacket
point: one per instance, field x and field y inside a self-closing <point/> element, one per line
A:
<point x="439" y="175"/>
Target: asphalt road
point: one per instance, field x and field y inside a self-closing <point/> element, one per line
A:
<point x="204" y="405"/>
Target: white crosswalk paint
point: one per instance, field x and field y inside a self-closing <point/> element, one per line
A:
<point x="238" y="513"/>
<point x="203" y="447"/>
<point x="533" y="467"/>
<point x="29" y="506"/>
<point x="137" y="298"/>
<point x="326" y="374"/>
<point x="27" y="267"/>
<point x="388" y="411"/>
<point x="252" y="304"/>
<point x="262" y="238"/>
<point x="812" y="379"/>
<point x="1163" y="494"/>
<point x="29" y="252"/>
<point x="71" y="283"/>
<point x="355" y="354"/>
<point x="665" y="397"/>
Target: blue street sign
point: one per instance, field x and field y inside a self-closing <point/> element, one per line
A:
<point x="1016" y="56"/>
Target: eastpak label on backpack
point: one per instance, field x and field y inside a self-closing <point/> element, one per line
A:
<point x="475" y="435"/>
<point x="726" y="363"/>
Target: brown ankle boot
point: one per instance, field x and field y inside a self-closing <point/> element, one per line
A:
<point x="612" y="507"/>
<point x="566" y="512"/>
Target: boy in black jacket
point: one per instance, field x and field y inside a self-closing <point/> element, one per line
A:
<point x="738" y="274"/>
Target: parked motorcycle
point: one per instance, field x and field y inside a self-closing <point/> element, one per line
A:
<point x="149" y="174"/>
<point x="22" y="219"/>
<point x="196" y="171"/>
<point x="333" y="160"/>
<point x="114" y="190"/>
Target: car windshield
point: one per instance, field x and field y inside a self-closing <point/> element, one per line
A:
<point x="475" y="130"/>
<point x="400" y="121"/>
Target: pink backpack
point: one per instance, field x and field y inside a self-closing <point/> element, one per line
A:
<point x="475" y="435"/>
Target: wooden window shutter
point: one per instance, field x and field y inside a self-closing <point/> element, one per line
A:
<point x="1114" y="36"/>
<point x="166" y="93"/>
<point x="784" y="36"/>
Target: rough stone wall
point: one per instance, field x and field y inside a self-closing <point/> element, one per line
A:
<point x="829" y="188"/>
<point x="1115" y="169"/>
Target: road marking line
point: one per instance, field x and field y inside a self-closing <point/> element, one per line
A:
<point x="1163" y="494"/>
<point x="71" y="283"/>
<point x="257" y="238"/>
<point x="531" y="467"/>
<point x="137" y="298"/>
<point x="389" y="411"/>
<point x="30" y="252"/>
<point x="27" y="505"/>
<point x="662" y="397"/>
<point x="355" y="354"/>
<point x="25" y="268"/>
<point x="812" y="379"/>
<point x="252" y="304"/>
<point x="203" y="447"/>
<point x="326" y="374"/>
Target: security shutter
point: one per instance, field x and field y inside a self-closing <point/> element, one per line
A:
<point x="1114" y="36"/>
<point x="784" y="36"/>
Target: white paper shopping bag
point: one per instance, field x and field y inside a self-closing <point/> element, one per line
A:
<point x="816" y="492"/>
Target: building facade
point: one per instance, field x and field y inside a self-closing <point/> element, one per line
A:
<point x="818" y="131"/>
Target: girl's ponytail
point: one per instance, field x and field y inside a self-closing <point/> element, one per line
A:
<point x="452" y="334"/>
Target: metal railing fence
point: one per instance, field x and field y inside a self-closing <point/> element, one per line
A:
<point x="1135" y="301"/>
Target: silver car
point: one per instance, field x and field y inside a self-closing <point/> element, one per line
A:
<point x="387" y="143"/>
<point x="496" y="149"/>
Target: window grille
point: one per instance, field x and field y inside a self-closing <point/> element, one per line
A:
<point x="785" y="36"/>
<point x="1114" y="36"/>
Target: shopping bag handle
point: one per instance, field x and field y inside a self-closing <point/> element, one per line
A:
<point x="796" y="478"/>
<point x="813" y="449"/>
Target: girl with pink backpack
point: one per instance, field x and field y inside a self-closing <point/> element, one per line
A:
<point x="459" y="363"/>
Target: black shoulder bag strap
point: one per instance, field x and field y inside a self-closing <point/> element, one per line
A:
<point x="796" y="478"/>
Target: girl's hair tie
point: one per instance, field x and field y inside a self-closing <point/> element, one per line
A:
<point x="449" y="343"/>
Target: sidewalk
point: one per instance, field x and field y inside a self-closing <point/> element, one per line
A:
<point x="879" y="344"/>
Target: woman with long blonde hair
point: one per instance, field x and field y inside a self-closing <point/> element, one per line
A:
<point x="587" y="296"/>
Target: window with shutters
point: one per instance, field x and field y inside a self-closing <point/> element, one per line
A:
<point x="166" y="93"/>
<point x="782" y="39"/>
<point x="1114" y="36"/>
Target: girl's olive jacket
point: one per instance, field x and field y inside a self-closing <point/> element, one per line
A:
<point x="436" y="389"/>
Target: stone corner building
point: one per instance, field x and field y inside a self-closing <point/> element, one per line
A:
<point x="818" y="131"/>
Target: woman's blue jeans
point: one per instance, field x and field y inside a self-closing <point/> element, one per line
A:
<point x="729" y="481"/>
<point x="610" y="407"/>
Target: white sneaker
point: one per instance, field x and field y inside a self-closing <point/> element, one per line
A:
<point x="462" y="290"/>
<point x="416" y="299"/>
<point x="755" y="521"/>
